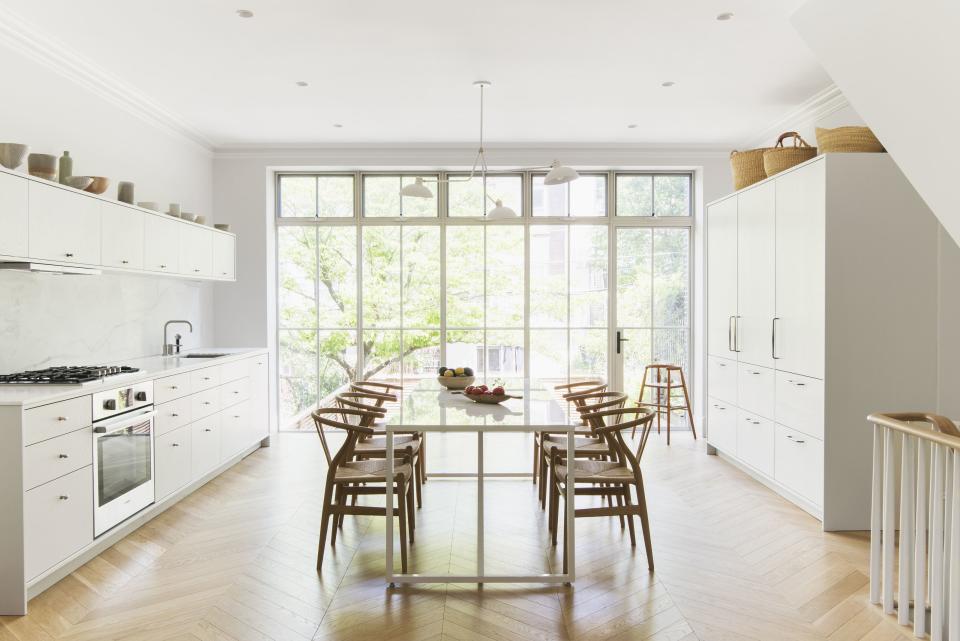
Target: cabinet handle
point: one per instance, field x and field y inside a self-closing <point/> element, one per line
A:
<point x="64" y="497"/>
<point x="236" y="391"/>
<point x="63" y="456"/>
<point x="63" y="418"/>
<point x="236" y="416"/>
<point x="207" y="429"/>
<point x="196" y="270"/>
<point x="755" y="373"/>
<point x="798" y="442"/>
<point x="206" y="402"/>
<point x="801" y="384"/>
<point x="206" y="378"/>
<point x="730" y="335"/>
<point x="773" y="338"/>
<point x="163" y="266"/>
<point x="125" y="262"/>
<point x="173" y="387"/>
<point x="175" y="445"/>
<point x="736" y="334"/>
<point x="69" y="255"/>
<point x="174" y="415"/>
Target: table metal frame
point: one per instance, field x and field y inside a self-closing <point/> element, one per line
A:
<point x="481" y="576"/>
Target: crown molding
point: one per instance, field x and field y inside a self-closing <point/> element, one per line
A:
<point x="820" y="105"/>
<point x="25" y="39"/>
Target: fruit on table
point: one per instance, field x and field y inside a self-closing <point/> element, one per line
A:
<point x="498" y="390"/>
<point x="448" y="373"/>
<point x="458" y="371"/>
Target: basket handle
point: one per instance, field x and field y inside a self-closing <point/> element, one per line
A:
<point x="797" y="140"/>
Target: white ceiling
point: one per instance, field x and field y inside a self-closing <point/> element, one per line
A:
<point x="392" y="72"/>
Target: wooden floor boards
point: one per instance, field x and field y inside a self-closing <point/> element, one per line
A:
<point x="235" y="562"/>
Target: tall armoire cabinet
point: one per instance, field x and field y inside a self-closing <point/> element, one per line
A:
<point x="822" y="308"/>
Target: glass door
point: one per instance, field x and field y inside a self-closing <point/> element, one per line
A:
<point x="652" y="303"/>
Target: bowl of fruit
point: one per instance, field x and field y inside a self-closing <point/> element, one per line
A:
<point x="455" y="377"/>
<point x="483" y="394"/>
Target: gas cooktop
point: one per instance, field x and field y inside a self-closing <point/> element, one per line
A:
<point x="71" y="375"/>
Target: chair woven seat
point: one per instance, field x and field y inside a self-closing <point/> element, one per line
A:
<point x="371" y="471"/>
<point x="377" y="444"/>
<point x="580" y="445"/>
<point x="599" y="471"/>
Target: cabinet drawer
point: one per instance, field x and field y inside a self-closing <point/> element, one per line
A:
<point x="722" y="378"/>
<point x="204" y="404"/>
<point x="233" y="371"/>
<point x="800" y="403"/>
<point x="56" y="457"/>
<point x="174" y="414"/>
<point x="58" y="520"/>
<point x="205" y="378"/>
<point x="799" y="463"/>
<point x="234" y="392"/>
<point x="722" y="425"/>
<point x="755" y="441"/>
<point x="173" y="461"/>
<point x="205" y="436"/>
<point x="755" y="389"/>
<point x="47" y="421"/>
<point x="235" y="430"/>
<point x="171" y="387"/>
<point x="63" y="225"/>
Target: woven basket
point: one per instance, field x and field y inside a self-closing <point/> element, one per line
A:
<point x="747" y="167"/>
<point x="782" y="157"/>
<point x="848" y="140"/>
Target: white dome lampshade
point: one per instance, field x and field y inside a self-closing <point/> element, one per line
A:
<point x="416" y="189"/>
<point x="560" y="174"/>
<point x="500" y="211"/>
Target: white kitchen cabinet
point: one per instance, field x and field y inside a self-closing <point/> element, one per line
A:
<point x="196" y="251"/>
<point x="834" y="316"/>
<point x="64" y="226"/>
<point x="58" y="520"/>
<point x="259" y="394"/>
<point x="234" y="430"/>
<point x="800" y="271"/>
<point x="224" y="256"/>
<point x="121" y="236"/>
<point x="755" y="274"/>
<point x="173" y="461"/>
<point x="13" y="216"/>
<point x="722" y="275"/>
<point x="162" y="245"/>
<point x="205" y="437"/>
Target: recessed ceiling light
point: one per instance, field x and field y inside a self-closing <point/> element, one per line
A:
<point x="303" y="83"/>
<point x="337" y="125"/>
<point x="631" y="126"/>
<point x="726" y="15"/>
<point x="668" y="83"/>
<point x="244" y="13"/>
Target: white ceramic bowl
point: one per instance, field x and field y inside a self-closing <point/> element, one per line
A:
<point x="455" y="382"/>
<point x="221" y="226"/>
<point x="12" y="154"/>
<point x="188" y="216"/>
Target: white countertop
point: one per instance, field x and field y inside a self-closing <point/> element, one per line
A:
<point x="150" y="367"/>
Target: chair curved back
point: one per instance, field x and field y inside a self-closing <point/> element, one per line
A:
<point x="377" y="387"/>
<point x="323" y="417"/>
<point x="597" y="401"/>
<point x="354" y="400"/>
<point x="611" y="423"/>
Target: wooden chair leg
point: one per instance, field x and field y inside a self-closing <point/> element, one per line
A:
<point x="544" y="478"/>
<point x="417" y="480"/>
<point x="536" y="455"/>
<point x="645" y="522"/>
<point x="643" y="388"/>
<point x="565" y="528"/>
<point x="686" y="398"/>
<point x="324" y="519"/>
<point x="615" y="491"/>
<point x="340" y="500"/>
<point x="555" y="511"/>
<point x="402" y="517"/>
<point x="669" y="410"/>
<point x="423" y="457"/>
<point x="411" y="522"/>
<point x="629" y="513"/>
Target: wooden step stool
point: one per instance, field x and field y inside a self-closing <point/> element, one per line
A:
<point x="662" y="380"/>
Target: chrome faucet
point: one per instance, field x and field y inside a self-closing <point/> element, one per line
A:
<point x="169" y="349"/>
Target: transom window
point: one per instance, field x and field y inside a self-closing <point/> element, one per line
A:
<point x="372" y="284"/>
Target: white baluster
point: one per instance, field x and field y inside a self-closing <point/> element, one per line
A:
<point x="889" y="521"/>
<point x="920" y="544"/>
<point x="876" y="516"/>
<point x="953" y="494"/>
<point x="936" y="546"/>
<point x="907" y="489"/>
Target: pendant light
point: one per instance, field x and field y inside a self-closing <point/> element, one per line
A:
<point x="557" y="175"/>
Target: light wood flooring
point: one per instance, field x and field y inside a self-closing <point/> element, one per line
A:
<point x="235" y="561"/>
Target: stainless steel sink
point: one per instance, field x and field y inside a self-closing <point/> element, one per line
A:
<point x="202" y="355"/>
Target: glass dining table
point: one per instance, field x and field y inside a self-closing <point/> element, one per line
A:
<point x="429" y="407"/>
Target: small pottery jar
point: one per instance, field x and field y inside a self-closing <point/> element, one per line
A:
<point x="125" y="192"/>
<point x="66" y="167"/>
<point x="42" y="166"/>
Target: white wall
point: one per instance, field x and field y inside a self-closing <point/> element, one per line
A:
<point x="48" y="319"/>
<point x="896" y="63"/>
<point x="243" y="197"/>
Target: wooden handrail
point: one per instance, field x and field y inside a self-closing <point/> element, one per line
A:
<point x="944" y="431"/>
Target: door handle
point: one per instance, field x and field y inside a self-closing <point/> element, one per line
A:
<point x="620" y="341"/>
<point x="730" y="345"/>
<point x="736" y="334"/>
<point x="773" y="337"/>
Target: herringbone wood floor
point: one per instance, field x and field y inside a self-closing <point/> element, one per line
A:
<point x="235" y="561"/>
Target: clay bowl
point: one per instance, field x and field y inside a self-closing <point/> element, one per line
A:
<point x="79" y="182"/>
<point x="186" y="215"/>
<point x="455" y="382"/>
<point x="12" y="154"/>
<point x="490" y="399"/>
<point x="99" y="184"/>
<point x="42" y="166"/>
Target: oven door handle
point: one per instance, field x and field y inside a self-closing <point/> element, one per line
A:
<point x="124" y="421"/>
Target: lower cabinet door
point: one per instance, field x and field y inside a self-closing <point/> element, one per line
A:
<point x="58" y="520"/>
<point x="236" y="433"/>
<point x="799" y="463"/>
<point x="755" y="438"/>
<point x="173" y="461"/>
<point x="722" y="426"/>
<point x="205" y="437"/>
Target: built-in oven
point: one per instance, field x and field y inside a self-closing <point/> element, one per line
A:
<point x="123" y="457"/>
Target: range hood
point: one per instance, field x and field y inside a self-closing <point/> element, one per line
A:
<point x="49" y="268"/>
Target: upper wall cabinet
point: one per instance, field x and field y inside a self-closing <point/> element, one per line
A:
<point x="63" y="227"/>
<point x="43" y="222"/>
<point x="13" y="216"/>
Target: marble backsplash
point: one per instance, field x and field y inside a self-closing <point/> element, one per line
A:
<point x="48" y="319"/>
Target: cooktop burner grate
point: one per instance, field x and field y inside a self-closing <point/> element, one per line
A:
<point x="71" y="375"/>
